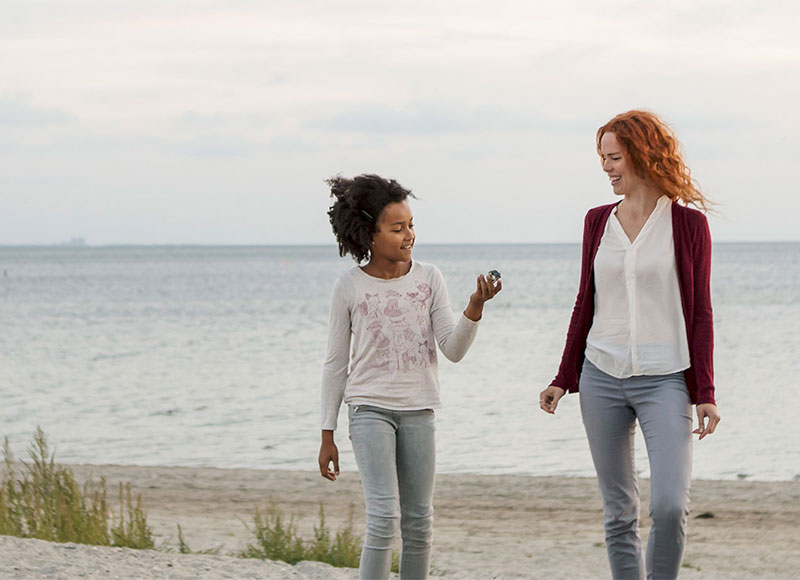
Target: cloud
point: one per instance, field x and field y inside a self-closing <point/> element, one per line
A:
<point x="432" y="118"/>
<point x="17" y="111"/>
<point x="156" y="106"/>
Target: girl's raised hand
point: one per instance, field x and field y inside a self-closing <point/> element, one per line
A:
<point x="485" y="291"/>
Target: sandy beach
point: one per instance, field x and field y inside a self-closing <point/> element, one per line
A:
<point x="486" y="527"/>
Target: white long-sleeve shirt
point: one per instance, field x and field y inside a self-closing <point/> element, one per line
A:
<point x="638" y="326"/>
<point x="392" y="327"/>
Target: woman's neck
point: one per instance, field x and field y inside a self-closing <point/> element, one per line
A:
<point x="640" y="203"/>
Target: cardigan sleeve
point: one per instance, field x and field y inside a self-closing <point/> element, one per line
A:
<point x="702" y="347"/>
<point x="572" y="358"/>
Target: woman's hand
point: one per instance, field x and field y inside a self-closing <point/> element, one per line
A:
<point x="548" y="399"/>
<point x="707" y="411"/>
<point x="328" y="453"/>
<point x="486" y="291"/>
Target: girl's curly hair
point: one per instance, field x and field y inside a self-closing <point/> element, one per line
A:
<point x="355" y="211"/>
<point x="655" y="154"/>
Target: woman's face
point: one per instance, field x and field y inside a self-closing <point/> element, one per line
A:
<point x="615" y="163"/>
<point x="395" y="236"/>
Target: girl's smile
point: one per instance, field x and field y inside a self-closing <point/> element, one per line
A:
<point x="394" y="236"/>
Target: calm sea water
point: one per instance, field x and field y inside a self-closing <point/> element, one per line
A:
<point x="211" y="356"/>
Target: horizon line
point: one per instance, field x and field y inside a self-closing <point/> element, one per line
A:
<point x="72" y="246"/>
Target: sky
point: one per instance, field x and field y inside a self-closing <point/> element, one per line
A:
<point x="217" y="122"/>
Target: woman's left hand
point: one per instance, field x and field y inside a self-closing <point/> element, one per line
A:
<point x="486" y="291"/>
<point x="707" y="411"/>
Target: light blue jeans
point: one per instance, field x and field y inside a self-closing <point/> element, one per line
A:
<point x="396" y="456"/>
<point x="610" y="408"/>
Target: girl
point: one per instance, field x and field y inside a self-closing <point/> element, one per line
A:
<point x="389" y="312"/>
<point x="640" y="340"/>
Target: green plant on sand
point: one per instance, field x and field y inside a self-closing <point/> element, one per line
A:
<point x="278" y="539"/>
<point x="44" y="501"/>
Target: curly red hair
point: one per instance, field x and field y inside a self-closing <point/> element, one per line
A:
<point x="655" y="154"/>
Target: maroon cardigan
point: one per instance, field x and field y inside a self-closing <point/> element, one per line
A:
<point x="693" y="260"/>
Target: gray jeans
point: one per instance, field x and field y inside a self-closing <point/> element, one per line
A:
<point x="396" y="456"/>
<point x="610" y="408"/>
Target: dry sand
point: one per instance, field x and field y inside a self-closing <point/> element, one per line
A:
<point x="486" y="527"/>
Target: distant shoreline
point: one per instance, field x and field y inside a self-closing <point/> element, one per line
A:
<point x="421" y="245"/>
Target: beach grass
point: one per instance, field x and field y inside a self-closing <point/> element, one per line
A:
<point x="277" y="538"/>
<point x="183" y="546"/>
<point x="44" y="501"/>
<point x="41" y="499"/>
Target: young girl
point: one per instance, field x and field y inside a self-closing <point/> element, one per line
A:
<point x="388" y="313"/>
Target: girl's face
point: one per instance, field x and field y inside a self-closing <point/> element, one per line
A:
<point x="395" y="236"/>
<point x="615" y="163"/>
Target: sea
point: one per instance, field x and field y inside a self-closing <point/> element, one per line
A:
<point x="212" y="356"/>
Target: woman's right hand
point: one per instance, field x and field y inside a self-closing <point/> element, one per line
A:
<point x="548" y="399"/>
<point x="328" y="453"/>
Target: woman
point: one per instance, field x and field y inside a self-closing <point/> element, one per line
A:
<point x="640" y="340"/>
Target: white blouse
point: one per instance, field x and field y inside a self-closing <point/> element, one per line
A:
<point x="638" y="326"/>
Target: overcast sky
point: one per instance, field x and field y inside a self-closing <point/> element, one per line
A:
<point x="205" y="121"/>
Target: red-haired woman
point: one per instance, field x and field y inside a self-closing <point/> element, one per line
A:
<point x="640" y="340"/>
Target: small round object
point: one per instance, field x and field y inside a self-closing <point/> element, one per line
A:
<point x="493" y="275"/>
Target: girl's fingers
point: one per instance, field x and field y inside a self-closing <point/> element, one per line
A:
<point x="487" y="289"/>
<point x="494" y="289"/>
<point x="483" y="288"/>
<point x="327" y="472"/>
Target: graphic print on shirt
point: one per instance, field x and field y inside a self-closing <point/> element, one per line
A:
<point x="419" y="298"/>
<point x="369" y="308"/>
<point x="400" y="335"/>
<point x="382" y="343"/>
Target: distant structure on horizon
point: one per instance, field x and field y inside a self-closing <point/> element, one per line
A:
<point x="74" y="243"/>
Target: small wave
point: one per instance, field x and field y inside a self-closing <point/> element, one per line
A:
<point x="103" y="356"/>
<point x="165" y="413"/>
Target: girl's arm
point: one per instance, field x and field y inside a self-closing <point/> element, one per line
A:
<point x="455" y="338"/>
<point x="334" y="371"/>
<point x="334" y="379"/>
